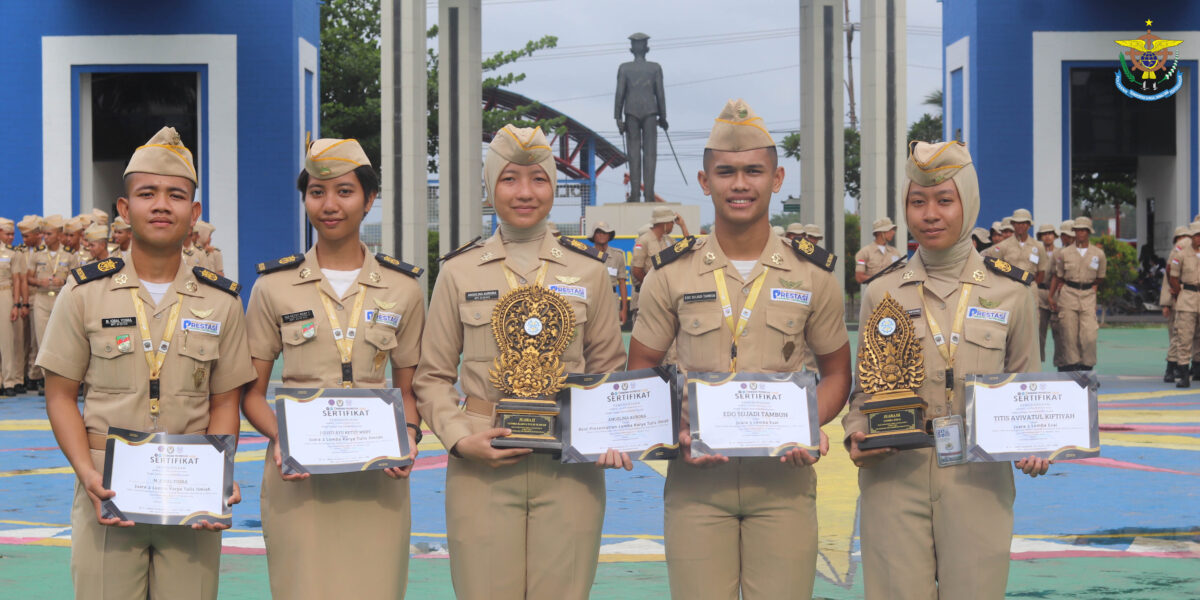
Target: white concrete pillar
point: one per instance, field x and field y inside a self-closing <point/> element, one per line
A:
<point x="822" y="122"/>
<point x="884" y="129"/>
<point x="460" y="122"/>
<point x="402" y="112"/>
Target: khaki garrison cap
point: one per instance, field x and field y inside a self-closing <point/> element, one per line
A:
<point x="1021" y="216"/>
<point x="119" y="224"/>
<point x="329" y="158"/>
<point x="1083" y="223"/>
<point x="1196" y="219"/>
<point x="163" y="154"/>
<point x="6" y="224"/>
<point x="738" y="129"/>
<point x="882" y="225"/>
<point x="96" y="233"/>
<point x="931" y="164"/>
<point x="796" y="228"/>
<point x="204" y="228"/>
<point x="74" y="225"/>
<point x="52" y="222"/>
<point x="518" y="145"/>
<point x="30" y="224"/>
<point x="99" y="216"/>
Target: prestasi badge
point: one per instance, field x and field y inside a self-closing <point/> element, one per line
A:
<point x="309" y="330"/>
<point x="887" y="326"/>
<point x="124" y="343"/>
<point x="533" y="326"/>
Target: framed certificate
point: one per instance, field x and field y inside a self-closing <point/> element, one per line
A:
<point x="164" y="479"/>
<point x="752" y="414"/>
<point x="341" y="430"/>
<point x="1049" y="415"/>
<point x="632" y="411"/>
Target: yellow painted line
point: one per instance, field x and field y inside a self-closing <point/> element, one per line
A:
<point x="1145" y="395"/>
<point x="1125" y="416"/>
<point x="1100" y="536"/>
<point x="51" y="542"/>
<point x="837" y="506"/>
<point x="623" y="558"/>
<point x="25" y="425"/>
<point x="33" y="523"/>
<point x="45" y="471"/>
<point x="1149" y="440"/>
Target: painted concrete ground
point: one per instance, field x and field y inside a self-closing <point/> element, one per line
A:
<point x="1123" y="526"/>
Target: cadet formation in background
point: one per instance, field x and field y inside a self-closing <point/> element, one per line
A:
<point x="523" y="525"/>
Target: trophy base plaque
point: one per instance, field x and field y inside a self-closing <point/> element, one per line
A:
<point x="533" y="423"/>
<point x="895" y="420"/>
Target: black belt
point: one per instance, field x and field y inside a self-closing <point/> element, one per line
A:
<point x="1191" y="288"/>
<point x="1076" y="285"/>
<point x="1043" y="286"/>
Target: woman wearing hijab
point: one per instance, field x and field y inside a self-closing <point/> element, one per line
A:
<point x="931" y="531"/>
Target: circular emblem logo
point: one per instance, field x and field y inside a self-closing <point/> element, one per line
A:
<point x="616" y="386"/>
<point x="340" y="402"/>
<point x="533" y="326"/>
<point x="170" y="449"/>
<point x="887" y="326"/>
<point x="1033" y="387"/>
<point x="624" y="386"/>
<point x="331" y="402"/>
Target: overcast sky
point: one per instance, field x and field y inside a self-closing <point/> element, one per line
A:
<point x="710" y="51"/>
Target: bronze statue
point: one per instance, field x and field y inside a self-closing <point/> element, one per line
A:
<point x="641" y="107"/>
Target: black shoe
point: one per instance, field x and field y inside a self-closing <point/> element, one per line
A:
<point x="1065" y="368"/>
<point x="1185" y="377"/>
<point x="1169" y="374"/>
<point x="1195" y="369"/>
<point x="7" y="392"/>
<point x="19" y="389"/>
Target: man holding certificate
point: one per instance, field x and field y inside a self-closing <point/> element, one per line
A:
<point x="354" y="525"/>
<point x="517" y="311"/>
<point x="748" y="302"/>
<point x="933" y="525"/>
<point x="162" y="351"/>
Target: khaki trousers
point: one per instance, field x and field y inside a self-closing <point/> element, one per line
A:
<point x="167" y="562"/>
<point x="1173" y="348"/>
<point x="32" y="371"/>
<point x="750" y="523"/>
<point x="335" y="536"/>
<point x="930" y="532"/>
<point x="1080" y="330"/>
<point x="21" y="348"/>
<point x="43" y="303"/>
<point x="1184" y="336"/>
<point x="1044" y="316"/>
<point x="529" y="530"/>
<point x="10" y="365"/>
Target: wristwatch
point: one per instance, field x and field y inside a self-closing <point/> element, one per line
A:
<point x="417" y="430"/>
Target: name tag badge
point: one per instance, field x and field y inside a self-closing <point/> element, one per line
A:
<point x="612" y="271"/>
<point x="1095" y="263"/>
<point x="950" y="437"/>
<point x="700" y="297"/>
<point x="987" y="314"/>
<point x="209" y="327"/>
<point x="1034" y="258"/>
<point x="570" y="291"/>
<point x="895" y="258"/>
<point x="118" y="322"/>
<point x="389" y="319"/>
<point x="303" y="315"/>
<point x="790" y="295"/>
<point x="483" y="295"/>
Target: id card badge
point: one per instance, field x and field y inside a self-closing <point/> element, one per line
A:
<point x="950" y="436"/>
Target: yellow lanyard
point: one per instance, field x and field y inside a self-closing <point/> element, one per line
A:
<point x="345" y="341"/>
<point x="155" y="359"/>
<point x="512" y="277"/>
<point x="948" y="351"/>
<point x="747" y="309"/>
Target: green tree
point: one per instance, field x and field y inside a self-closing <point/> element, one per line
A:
<point x="1120" y="270"/>
<point x="850" y="248"/>
<point x="926" y="129"/>
<point x="852" y="168"/>
<point x="1092" y="190"/>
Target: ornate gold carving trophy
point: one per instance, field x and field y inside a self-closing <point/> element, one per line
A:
<point x="533" y="327"/>
<point x="892" y="369"/>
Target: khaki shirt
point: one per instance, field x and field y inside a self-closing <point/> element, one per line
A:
<point x="1027" y="256"/>
<point x="799" y="306"/>
<point x="286" y="315"/>
<point x="460" y="327"/>
<point x="94" y="336"/>
<point x="1086" y="269"/>
<point x="1004" y="340"/>
<point x="195" y="257"/>
<point x="615" y="263"/>
<point x="83" y="257"/>
<point x="871" y="260"/>
<point x="1185" y="264"/>
<point x="1046" y="267"/>
<point x="646" y="247"/>
<point x="216" y="260"/>
<point x="47" y="264"/>
<point x="1165" y="298"/>
<point x="11" y="262"/>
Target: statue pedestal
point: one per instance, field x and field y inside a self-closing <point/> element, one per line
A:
<point x="627" y="217"/>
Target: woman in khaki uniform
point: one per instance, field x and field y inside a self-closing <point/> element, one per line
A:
<point x="343" y="535"/>
<point x="933" y="532"/>
<point x="518" y="525"/>
<point x="1045" y="268"/>
<point x="1166" y="299"/>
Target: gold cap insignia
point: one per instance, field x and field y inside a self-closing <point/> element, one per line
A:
<point x="120" y="279"/>
<point x="191" y="287"/>
<point x="486" y="256"/>
<point x="566" y="279"/>
<point x="709" y="257"/>
<point x="556" y="253"/>
<point x="200" y="314"/>
<point x="1003" y="265"/>
<point x="384" y="304"/>
<point x="907" y="275"/>
<point x="375" y="277"/>
<point x="977" y="275"/>
<point x="776" y="259"/>
<point x="305" y="272"/>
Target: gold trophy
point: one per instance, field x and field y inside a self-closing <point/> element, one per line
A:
<point x="533" y="327"/>
<point x="892" y="369"/>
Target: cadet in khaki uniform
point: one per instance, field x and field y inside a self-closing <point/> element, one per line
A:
<point x="47" y="274"/>
<point x="1079" y="271"/>
<point x="518" y="525"/>
<point x="602" y="235"/>
<point x="743" y="527"/>
<point x="121" y="235"/>
<point x="95" y="338"/>
<point x="654" y="241"/>
<point x="1045" y="272"/>
<point x="216" y="261"/>
<point x="933" y="532"/>
<point x="11" y="368"/>
<point x="1166" y="299"/>
<point x="72" y="235"/>
<point x="1020" y="250"/>
<point x="795" y="231"/>
<point x="1184" y="278"/>
<point x="298" y="307"/>
<point x="31" y="238"/>
<point x="1066" y="234"/>
<point x="873" y="258"/>
<point x="95" y="242"/>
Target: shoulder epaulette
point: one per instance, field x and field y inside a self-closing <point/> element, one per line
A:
<point x="896" y="264"/>
<point x="669" y="255"/>
<point x="40" y="248"/>
<point x="19" y="247"/>
<point x="1006" y="269"/>
<point x="221" y="283"/>
<point x="399" y="265"/>
<point x="459" y="250"/>
<point x="97" y="270"/>
<point x="813" y="254"/>
<point x="582" y="248"/>
<point x="287" y="262"/>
